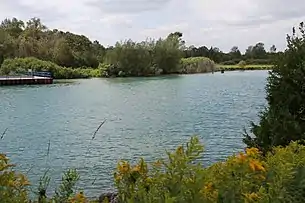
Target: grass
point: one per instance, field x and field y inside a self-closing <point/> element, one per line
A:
<point x="247" y="67"/>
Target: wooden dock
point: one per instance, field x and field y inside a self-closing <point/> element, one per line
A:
<point x="24" y="80"/>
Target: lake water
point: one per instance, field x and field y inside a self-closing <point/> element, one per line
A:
<point x="144" y="116"/>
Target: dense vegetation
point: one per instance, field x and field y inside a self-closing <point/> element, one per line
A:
<point x="271" y="169"/>
<point x="284" y="118"/>
<point x="69" y="51"/>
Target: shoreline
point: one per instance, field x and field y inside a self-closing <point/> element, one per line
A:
<point x="251" y="68"/>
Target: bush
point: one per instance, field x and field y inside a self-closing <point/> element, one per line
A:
<point x="242" y="64"/>
<point x="245" y="177"/>
<point x="283" y="120"/>
<point x="196" y="65"/>
<point x="230" y="62"/>
<point x="22" y="65"/>
<point x="259" y="61"/>
<point x="13" y="186"/>
<point x="145" y="58"/>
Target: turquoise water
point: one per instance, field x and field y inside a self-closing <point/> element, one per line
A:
<point x="144" y="116"/>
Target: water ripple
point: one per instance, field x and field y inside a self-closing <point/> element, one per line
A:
<point x="144" y="116"/>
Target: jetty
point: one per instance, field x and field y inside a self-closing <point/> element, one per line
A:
<point x="33" y="79"/>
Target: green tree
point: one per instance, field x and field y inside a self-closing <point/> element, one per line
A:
<point x="273" y="49"/>
<point x="284" y="119"/>
<point x="235" y="53"/>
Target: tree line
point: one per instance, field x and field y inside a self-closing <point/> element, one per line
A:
<point x="19" y="39"/>
<point x="254" y="54"/>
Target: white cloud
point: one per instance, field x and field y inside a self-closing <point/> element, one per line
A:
<point x="218" y="23"/>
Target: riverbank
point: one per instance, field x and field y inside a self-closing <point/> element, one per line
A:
<point x="247" y="67"/>
<point x="191" y="65"/>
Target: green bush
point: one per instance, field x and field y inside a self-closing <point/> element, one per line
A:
<point x="231" y="62"/>
<point x="245" y="177"/>
<point x="283" y="120"/>
<point x="242" y="64"/>
<point x="145" y="58"/>
<point x="259" y="61"/>
<point x="13" y="185"/>
<point x="19" y="66"/>
<point x="196" y="65"/>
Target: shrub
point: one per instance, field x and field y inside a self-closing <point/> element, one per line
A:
<point x="13" y="186"/>
<point x="245" y="177"/>
<point x="230" y="62"/>
<point x="22" y="65"/>
<point x="196" y="65"/>
<point x="259" y="61"/>
<point x="283" y="120"/>
<point x="145" y="58"/>
<point x="242" y="64"/>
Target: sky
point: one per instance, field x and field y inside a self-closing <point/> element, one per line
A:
<point x="220" y="23"/>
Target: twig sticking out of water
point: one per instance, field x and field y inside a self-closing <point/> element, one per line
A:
<point x="48" y="152"/>
<point x="94" y="134"/>
<point x="4" y="132"/>
<point x="93" y="181"/>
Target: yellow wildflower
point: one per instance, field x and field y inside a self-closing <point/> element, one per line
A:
<point x="3" y="158"/>
<point x="241" y="157"/>
<point x="251" y="196"/>
<point x="256" y="166"/>
<point x="252" y="151"/>
<point x="117" y="177"/>
<point x="79" y="198"/>
<point x="23" y="180"/>
<point x="158" y="163"/>
<point x="137" y="168"/>
<point x="208" y="187"/>
<point x="179" y="150"/>
<point x="209" y="192"/>
<point x="123" y="167"/>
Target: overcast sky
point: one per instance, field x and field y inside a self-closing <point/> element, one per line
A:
<point x="220" y="23"/>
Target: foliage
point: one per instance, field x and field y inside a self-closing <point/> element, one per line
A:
<point x="255" y="54"/>
<point x="245" y="177"/>
<point x="197" y="65"/>
<point x="145" y="58"/>
<point x="246" y="67"/>
<point x="19" y="39"/>
<point x="66" y="187"/>
<point x="33" y="39"/>
<point x="242" y="64"/>
<point x="22" y="65"/>
<point x="283" y="120"/>
<point x="13" y="186"/>
<point x="248" y="176"/>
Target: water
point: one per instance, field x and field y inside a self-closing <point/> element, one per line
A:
<point x="144" y="116"/>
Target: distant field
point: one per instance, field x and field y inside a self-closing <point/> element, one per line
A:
<point x="247" y="67"/>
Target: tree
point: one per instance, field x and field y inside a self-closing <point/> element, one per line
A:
<point x="273" y="49"/>
<point x="249" y="52"/>
<point x="235" y="53"/>
<point x="283" y="120"/>
<point x="259" y="51"/>
<point x="62" y="54"/>
<point x="13" y="27"/>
